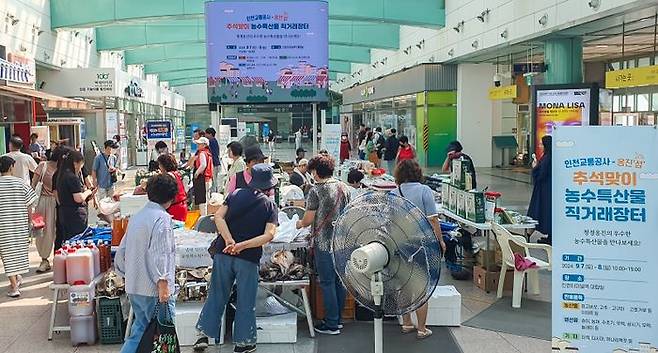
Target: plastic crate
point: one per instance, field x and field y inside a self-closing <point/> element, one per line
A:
<point x="111" y="327"/>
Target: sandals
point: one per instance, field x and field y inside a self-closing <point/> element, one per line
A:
<point x="407" y="329"/>
<point x="424" y="334"/>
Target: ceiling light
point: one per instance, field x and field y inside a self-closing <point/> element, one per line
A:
<point x="421" y="44"/>
<point x="62" y="62"/>
<point x="384" y="61"/>
<point x="408" y="50"/>
<point x="475" y="44"/>
<point x="459" y="27"/>
<point x="374" y="66"/>
<point x="76" y="33"/>
<point x="13" y="19"/>
<point x="484" y="15"/>
<point x="601" y="46"/>
<point x="504" y="34"/>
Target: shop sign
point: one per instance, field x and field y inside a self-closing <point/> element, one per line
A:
<point x="134" y="90"/>
<point x="101" y="84"/>
<point x="605" y="213"/>
<point x="17" y="69"/>
<point x="504" y="92"/>
<point x="160" y="129"/>
<point x="367" y="91"/>
<point x="640" y="76"/>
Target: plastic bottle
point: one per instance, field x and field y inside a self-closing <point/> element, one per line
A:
<point x="83" y="330"/>
<point x="97" y="258"/>
<point x="80" y="266"/>
<point x="81" y="299"/>
<point x="59" y="267"/>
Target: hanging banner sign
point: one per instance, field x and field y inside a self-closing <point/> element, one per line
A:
<point x="15" y="71"/>
<point x="605" y="215"/>
<point x="636" y="77"/>
<point x="504" y="92"/>
<point x="331" y="140"/>
<point x="160" y="129"/>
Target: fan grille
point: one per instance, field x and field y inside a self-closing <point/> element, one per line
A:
<point x="415" y="256"/>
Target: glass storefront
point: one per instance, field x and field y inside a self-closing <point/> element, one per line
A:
<point x="397" y="112"/>
<point x="636" y="105"/>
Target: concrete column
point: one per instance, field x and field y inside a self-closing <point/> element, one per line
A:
<point x="475" y="111"/>
<point x="564" y="57"/>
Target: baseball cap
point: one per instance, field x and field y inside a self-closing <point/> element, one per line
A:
<point x="202" y="140"/>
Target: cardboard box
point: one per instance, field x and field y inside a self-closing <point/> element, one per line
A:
<point x="457" y="175"/>
<point x="317" y="304"/>
<point x="475" y="205"/>
<point x="445" y="195"/>
<point x="486" y="257"/>
<point x="488" y="280"/>
<point x="461" y="203"/>
<point x="452" y="207"/>
<point x="187" y="315"/>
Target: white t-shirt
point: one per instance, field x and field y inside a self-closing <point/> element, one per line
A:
<point x="24" y="165"/>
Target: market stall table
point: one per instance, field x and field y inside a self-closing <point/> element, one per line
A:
<point x="56" y="288"/>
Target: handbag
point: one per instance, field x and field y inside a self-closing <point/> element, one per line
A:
<point x="37" y="220"/>
<point x="160" y="337"/>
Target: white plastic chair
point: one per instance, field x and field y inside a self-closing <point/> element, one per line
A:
<point x="504" y="238"/>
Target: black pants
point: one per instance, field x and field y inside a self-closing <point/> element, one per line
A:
<point x="71" y="221"/>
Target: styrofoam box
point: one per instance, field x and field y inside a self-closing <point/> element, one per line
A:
<point x="444" y="307"/>
<point x="187" y="315"/>
<point x="277" y="329"/>
<point x="130" y="204"/>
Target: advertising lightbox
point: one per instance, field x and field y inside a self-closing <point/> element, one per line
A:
<point x="261" y="52"/>
<point x="561" y="105"/>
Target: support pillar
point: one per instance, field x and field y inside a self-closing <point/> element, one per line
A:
<point x="564" y="57"/>
<point x="475" y="111"/>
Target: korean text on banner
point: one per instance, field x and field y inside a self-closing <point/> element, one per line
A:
<point x="605" y="215"/>
<point x="331" y="140"/>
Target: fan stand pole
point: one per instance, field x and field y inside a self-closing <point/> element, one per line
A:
<point x="377" y="288"/>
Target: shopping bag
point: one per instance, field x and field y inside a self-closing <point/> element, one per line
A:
<point x="160" y="337"/>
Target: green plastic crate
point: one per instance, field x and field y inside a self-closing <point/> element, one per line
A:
<point x="111" y="327"/>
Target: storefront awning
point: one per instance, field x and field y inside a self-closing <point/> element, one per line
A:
<point x="50" y="101"/>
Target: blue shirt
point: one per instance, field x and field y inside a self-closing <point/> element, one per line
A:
<point x="147" y="252"/>
<point x="102" y="171"/>
<point x="420" y="195"/>
<point x="213" y="145"/>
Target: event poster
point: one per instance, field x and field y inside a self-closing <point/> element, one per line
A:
<point x="274" y="51"/>
<point x="559" y="107"/>
<point x="331" y="140"/>
<point x="605" y="216"/>
<point x="159" y="130"/>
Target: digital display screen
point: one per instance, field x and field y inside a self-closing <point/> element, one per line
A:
<point x="260" y="52"/>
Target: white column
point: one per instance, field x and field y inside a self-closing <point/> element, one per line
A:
<point x="475" y="111"/>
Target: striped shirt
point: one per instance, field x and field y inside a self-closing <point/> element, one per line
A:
<point x="147" y="252"/>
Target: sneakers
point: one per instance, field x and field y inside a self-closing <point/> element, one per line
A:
<point x="14" y="293"/>
<point x="324" y="329"/>
<point x="44" y="266"/>
<point x="201" y="344"/>
<point x="245" y="349"/>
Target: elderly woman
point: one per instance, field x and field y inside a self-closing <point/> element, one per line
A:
<point x="325" y="202"/>
<point x="408" y="177"/>
<point x="247" y="221"/>
<point x="16" y="198"/>
<point x="147" y="257"/>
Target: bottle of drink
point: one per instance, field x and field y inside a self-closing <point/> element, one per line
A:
<point x="97" y="259"/>
<point x="59" y="267"/>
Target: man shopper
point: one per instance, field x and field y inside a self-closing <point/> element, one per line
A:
<point x="247" y="221"/>
<point x="104" y="170"/>
<point x="147" y="258"/>
<point x="301" y="177"/>
<point x="24" y="163"/>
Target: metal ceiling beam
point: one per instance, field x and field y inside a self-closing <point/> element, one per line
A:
<point x="164" y="52"/>
<point x="348" y="53"/>
<point x="343" y="33"/>
<point x="175" y="65"/>
<point x="340" y="66"/>
<point x="188" y="81"/>
<point x="85" y="13"/>
<point x="177" y="75"/>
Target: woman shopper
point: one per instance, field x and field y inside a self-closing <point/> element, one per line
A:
<point x="47" y="206"/>
<point x="202" y="174"/>
<point x="408" y="177"/>
<point x="371" y="149"/>
<point x="16" y="198"/>
<point x="252" y="155"/>
<point x="325" y="202"/>
<point x="540" y="202"/>
<point x="72" y="196"/>
<point x="178" y="209"/>
<point x="391" y="151"/>
<point x="406" y="151"/>
<point x="147" y="258"/>
<point x="247" y="221"/>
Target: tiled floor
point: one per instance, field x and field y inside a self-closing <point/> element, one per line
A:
<point x="25" y="320"/>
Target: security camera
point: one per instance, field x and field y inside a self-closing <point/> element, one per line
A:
<point x="496" y="79"/>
